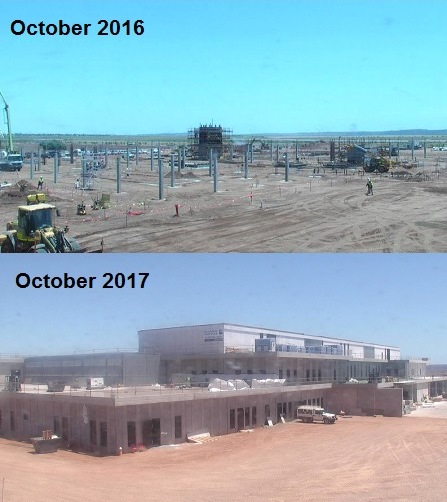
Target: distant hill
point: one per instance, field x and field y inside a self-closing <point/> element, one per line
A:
<point x="183" y="137"/>
<point x="333" y="134"/>
<point x="437" y="369"/>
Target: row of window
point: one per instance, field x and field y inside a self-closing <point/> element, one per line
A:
<point x="68" y="363"/>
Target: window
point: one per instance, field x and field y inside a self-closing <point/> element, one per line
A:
<point x="247" y="417"/>
<point x="295" y="373"/>
<point x="319" y="374"/>
<point x="253" y="416"/>
<point x="178" y="427"/>
<point x="307" y="375"/>
<point x="56" y="425"/>
<point x="12" y="421"/>
<point x="288" y="373"/>
<point x="280" y="373"/>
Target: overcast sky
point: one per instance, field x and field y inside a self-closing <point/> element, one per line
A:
<point x="397" y="299"/>
<point x="253" y="66"/>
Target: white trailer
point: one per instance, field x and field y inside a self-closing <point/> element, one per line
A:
<point x="95" y="383"/>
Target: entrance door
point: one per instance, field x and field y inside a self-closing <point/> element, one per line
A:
<point x="151" y="432"/>
<point x="131" y="434"/>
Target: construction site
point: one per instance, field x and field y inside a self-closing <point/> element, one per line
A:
<point x="232" y="194"/>
<point x="194" y="400"/>
<point x="206" y="381"/>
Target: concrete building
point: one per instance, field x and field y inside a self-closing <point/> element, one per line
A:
<point x="144" y="405"/>
<point x="116" y="368"/>
<point x="231" y="350"/>
<point x="102" y="421"/>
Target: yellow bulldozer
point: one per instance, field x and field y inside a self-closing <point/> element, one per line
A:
<point x="380" y="164"/>
<point x="35" y="231"/>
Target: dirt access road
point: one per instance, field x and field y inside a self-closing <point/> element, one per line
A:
<point x="321" y="211"/>
<point x="359" y="458"/>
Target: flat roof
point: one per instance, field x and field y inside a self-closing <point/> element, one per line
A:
<point x="264" y="330"/>
<point x="123" y="396"/>
<point x="36" y="207"/>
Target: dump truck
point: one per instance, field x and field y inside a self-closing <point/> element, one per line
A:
<point x="35" y="231"/>
<point x="315" y="414"/>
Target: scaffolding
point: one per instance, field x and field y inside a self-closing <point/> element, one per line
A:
<point x="206" y="137"/>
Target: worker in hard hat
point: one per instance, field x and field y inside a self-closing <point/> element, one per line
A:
<point x="369" y="187"/>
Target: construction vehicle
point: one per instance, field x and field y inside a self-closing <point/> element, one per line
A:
<point x="380" y="164"/>
<point x="81" y="210"/>
<point x="35" y="231"/>
<point x="9" y="159"/>
<point x="101" y="203"/>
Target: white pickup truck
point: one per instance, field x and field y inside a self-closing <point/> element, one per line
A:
<point x="315" y="414"/>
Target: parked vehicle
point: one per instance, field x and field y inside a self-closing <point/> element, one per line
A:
<point x="315" y="414"/>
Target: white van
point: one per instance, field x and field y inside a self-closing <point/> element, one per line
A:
<point x="315" y="414"/>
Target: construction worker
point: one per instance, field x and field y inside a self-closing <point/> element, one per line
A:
<point x="369" y="187"/>
<point x="40" y="183"/>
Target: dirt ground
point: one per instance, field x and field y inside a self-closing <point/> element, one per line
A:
<point x="321" y="211"/>
<point x="358" y="458"/>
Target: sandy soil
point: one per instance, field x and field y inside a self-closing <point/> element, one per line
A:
<point x="323" y="211"/>
<point x="359" y="458"/>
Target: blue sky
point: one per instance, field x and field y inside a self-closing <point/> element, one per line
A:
<point x="398" y="299"/>
<point x="253" y="66"/>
